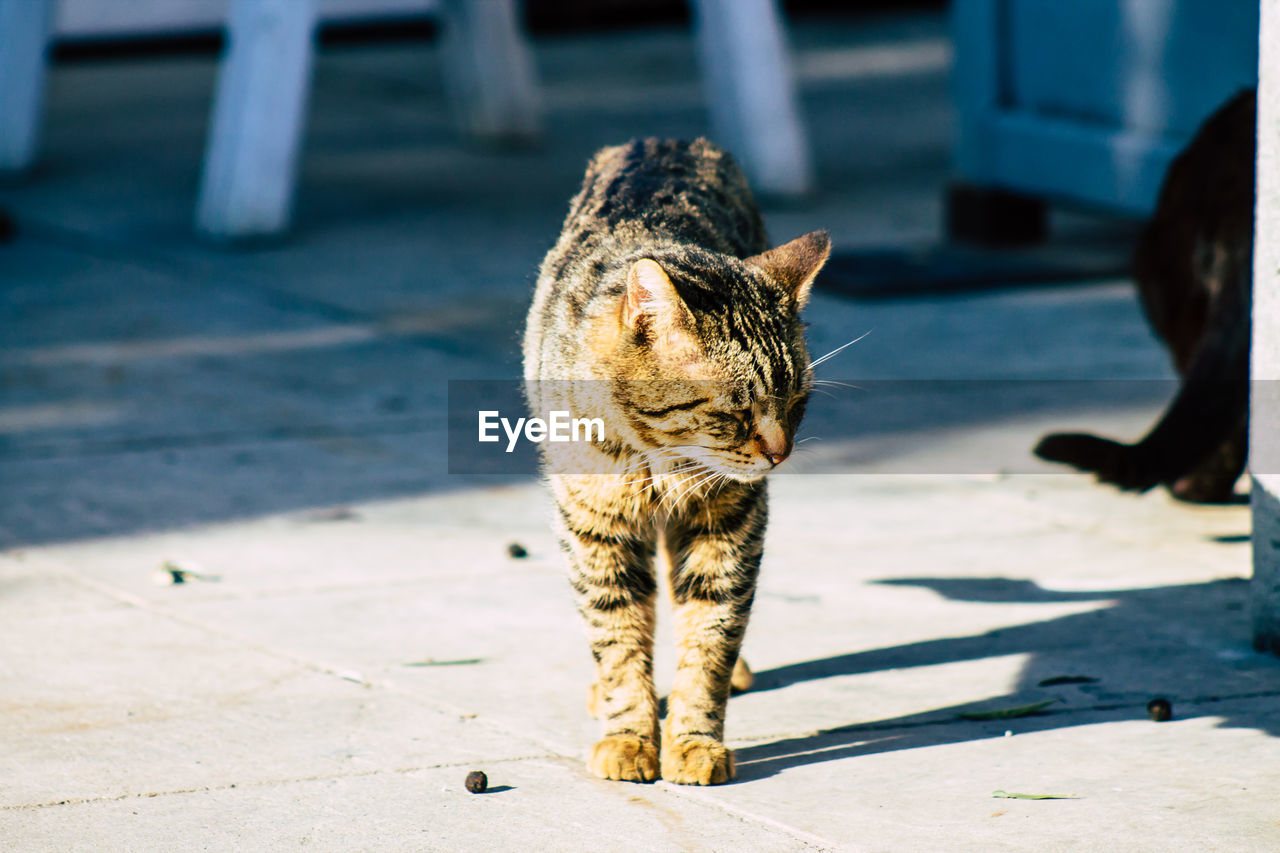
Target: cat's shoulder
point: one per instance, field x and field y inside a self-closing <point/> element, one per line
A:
<point x="654" y="152"/>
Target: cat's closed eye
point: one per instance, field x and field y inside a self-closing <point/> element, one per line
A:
<point x="729" y="424"/>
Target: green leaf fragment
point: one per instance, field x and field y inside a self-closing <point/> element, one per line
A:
<point x="434" y="662"/>
<point x="1005" y="795"/>
<point x="1007" y="713"/>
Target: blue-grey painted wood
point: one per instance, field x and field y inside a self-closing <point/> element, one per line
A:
<point x="259" y="111"/>
<point x="751" y="94"/>
<point x="1116" y="168"/>
<point x="1264" y="405"/>
<point x="24" y="34"/>
<point x="975" y="82"/>
<point x="1153" y="66"/>
<point x="488" y="69"/>
<point x="1086" y="101"/>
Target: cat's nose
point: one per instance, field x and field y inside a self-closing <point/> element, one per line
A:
<point x="773" y="441"/>
<point x="776" y="454"/>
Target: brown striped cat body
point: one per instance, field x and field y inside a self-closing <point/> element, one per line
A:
<point x="660" y="311"/>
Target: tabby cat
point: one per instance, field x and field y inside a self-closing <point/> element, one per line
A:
<point x="661" y="310"/>
<point x="1193" y="266"/>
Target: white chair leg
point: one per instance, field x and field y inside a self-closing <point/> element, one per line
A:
<point x="24" y="37"/>
<point x="488" y="70"/>
<point x="259" y="111"/>
<point x="752" y="97"/>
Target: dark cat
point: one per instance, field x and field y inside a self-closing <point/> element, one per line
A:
<point x="1193" y="267"/>
<point x="662" y="311"/>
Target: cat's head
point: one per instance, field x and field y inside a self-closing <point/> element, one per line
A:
<point x="709" y="362"/>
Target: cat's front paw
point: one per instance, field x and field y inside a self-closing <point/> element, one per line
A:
<point x="628" y="758"/>
<point x="696" y="760"/>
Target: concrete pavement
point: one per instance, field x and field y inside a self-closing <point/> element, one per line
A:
<point x="274" y="417"/>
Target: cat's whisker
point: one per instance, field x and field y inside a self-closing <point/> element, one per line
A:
<point x="686" y="487"/>
<point x="643" y="462"/>
<point x="676" y="473"/>
<point x="668" y="477"/>
<point x="653" y="468"/>
<point x="683" y="478"/>
<point x="709" y="482"/>
<point x="810" y="438"/>
<point x="716" y="484"/>
<point x="632" y="467"/>
<point x="801" y="461"/>
<point x="706" y="478"/>
<point x="651" y="459"/>
<point x="689" y="490"/>
<point x="838" y="350"/>
<point x="659" y="454"/>
<point x="831" y="383"/>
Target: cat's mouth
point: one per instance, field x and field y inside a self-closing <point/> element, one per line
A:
<point x="748" y="470"/>
<point x="750" y="475"/>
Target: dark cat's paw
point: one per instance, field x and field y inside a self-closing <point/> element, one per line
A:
<point x="696" y="760"/>
<point x="626" y="758"/>
<point x="1119" y="464"/>
<point x="1204" y="489"/>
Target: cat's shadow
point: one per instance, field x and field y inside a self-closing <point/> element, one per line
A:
<point x="1099" y="665"/>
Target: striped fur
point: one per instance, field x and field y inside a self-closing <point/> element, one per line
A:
<point x="661" y="311"/>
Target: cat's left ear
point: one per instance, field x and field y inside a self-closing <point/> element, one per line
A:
<point x="796" y="264"/>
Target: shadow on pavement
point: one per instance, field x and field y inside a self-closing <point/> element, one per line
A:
<point x="1186" y="643"/>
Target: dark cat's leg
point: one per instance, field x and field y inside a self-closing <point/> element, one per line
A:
<point x="715" y="558"/>
<point x="1212" y="401"/>
<point x="611" y="571"/>
<point x="1214" y="480"/>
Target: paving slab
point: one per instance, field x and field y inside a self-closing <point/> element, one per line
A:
<point x="122" y="699"/>
<point x="845" y="640"/>
<point x="536" y="805"/>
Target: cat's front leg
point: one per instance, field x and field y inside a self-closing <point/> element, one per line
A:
<point x="611" y="571"/>
<point x="715" y="558"/>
